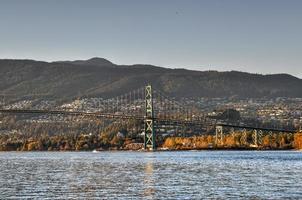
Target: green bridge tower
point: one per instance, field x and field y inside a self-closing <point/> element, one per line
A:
<point x="149" y="120"/>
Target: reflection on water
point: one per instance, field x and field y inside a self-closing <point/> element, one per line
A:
<point x="149" y="180"/>
<point x="158" y="175"/>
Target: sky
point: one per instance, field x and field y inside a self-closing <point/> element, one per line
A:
<point x="258" y="36"/>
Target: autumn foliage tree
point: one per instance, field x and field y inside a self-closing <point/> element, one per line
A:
<point x="298" y="141"/>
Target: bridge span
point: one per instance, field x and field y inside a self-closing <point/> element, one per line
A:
<point x="153" y="108"/>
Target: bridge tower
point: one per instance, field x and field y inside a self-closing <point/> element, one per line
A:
<point x="149" y="138"/>
<point x="219" y="136"/>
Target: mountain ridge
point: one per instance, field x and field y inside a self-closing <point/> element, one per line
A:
<point x="95" y="61"/>
<point x="100" y="77"/>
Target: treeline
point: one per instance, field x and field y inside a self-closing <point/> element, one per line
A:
<point x="68" y="142"/>
<point x="110" y="141"/>
<point x="64" y="143"/>
<point x="19" y="135"/>
<point x="86" y="134"/>
<point x="236" y="141"/>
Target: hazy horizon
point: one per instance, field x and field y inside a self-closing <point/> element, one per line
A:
<point x="261" y="37"/>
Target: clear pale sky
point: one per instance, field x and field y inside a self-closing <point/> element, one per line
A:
<point x="261" y="36"/>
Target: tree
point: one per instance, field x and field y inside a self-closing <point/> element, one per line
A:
<point x="298" y="140"/>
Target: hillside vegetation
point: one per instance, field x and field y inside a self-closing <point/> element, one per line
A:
<point x="100" y="77"/>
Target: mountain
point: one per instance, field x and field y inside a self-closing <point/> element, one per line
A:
<point x="90" y="62"/>
<point x="100" y="77"/>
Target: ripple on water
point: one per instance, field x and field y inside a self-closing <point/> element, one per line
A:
<point x="158" y="175"/>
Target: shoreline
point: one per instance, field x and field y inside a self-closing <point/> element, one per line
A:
<point x="160" y="150"/>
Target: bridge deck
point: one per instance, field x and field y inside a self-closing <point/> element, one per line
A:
<point x="257" y="128"/>
<point x="137" y="117"/>
<point x="100" y="115"/>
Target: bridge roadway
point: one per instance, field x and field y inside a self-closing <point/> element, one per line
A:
<point x="102" y="115"/>
<point x="257" y="128"/>
<point x="139" y="117"/>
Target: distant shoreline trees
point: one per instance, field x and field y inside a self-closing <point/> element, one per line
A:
<point x="85" y="142"/>
<point x="19" y="135"/>
<point x="298" y="141"/>
<point x="282" y="141"/>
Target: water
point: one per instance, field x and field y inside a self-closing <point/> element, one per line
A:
<point x="159" y="175"/>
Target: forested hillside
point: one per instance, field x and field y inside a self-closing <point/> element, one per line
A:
<point x="100" y="77"/>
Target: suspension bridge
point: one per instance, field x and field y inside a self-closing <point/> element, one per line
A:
<point x="155" y="109"/>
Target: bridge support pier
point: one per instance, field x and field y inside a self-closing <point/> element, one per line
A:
<point x="270" y="135"/>
<point x="233" y="132"/>
<point x="255" y="138"/>
<point x="260" y="137"/>
<point x="243" y="139"/>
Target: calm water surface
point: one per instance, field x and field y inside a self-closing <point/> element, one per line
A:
<point x="158" y="175"/>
